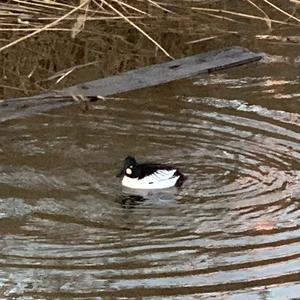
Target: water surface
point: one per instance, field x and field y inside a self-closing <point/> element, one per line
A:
<point x="69" y="231"/>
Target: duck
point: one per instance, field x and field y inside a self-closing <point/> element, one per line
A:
<point x="149" y="175"/>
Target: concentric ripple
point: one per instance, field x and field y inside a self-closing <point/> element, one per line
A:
<point x="68" y="230"/>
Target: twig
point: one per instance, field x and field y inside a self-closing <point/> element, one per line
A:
<point x="32" y="4"/>
<point x="282" y="11"/>
<point x="131" y="7"/>
<point x="221" y="17"/>
<point x="161" y="7"/>
<point x="62" y="74"/>
<point x="229" y="12"/>
<point x="268" y="21"/>
<point x="202" y="40"/>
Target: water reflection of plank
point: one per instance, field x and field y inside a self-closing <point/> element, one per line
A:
<point x="129" y="81"/>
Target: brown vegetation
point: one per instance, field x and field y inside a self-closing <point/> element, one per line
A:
<point x="48" y="44"/>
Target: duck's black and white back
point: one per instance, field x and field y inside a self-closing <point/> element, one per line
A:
<point x="149" y="175"/>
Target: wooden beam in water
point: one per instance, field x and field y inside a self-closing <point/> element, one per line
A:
<point x="129" y="81"/>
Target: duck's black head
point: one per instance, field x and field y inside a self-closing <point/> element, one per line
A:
<point x="129" y="167"/>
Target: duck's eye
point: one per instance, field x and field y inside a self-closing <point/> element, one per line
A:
<point x="128" y="171"/>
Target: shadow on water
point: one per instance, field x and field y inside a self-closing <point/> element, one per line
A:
<point x="131" y="198"/>
<point x="69" y="230"/>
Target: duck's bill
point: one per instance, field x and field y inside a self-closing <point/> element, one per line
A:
<point x="121" y="173"/>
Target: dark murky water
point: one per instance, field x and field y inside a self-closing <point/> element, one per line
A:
<point x="68" y="230"/>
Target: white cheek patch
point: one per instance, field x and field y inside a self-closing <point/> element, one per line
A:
<point x="128" y="171"/>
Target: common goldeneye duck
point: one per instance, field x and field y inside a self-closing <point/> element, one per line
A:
<point x="149" y="175"/>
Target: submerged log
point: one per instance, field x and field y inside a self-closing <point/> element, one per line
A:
<point x="129" y="81"/>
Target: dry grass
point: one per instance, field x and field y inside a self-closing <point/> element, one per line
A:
<point x="61" y="38"/>
<point x="36" y="16"/>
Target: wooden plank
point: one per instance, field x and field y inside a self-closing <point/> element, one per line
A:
<point x="129" y="81"/>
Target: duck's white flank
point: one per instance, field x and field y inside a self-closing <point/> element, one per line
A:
<point x="161" y="179"/>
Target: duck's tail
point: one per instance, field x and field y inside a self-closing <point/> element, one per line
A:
<point x="182" y="178"/>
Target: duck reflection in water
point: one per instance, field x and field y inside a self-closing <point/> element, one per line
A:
<point x="131" y="198"/>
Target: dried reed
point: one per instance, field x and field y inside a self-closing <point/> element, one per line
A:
<point x="30" y="15"/>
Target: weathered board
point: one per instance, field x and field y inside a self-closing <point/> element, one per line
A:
<point x="129" y="81"/>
